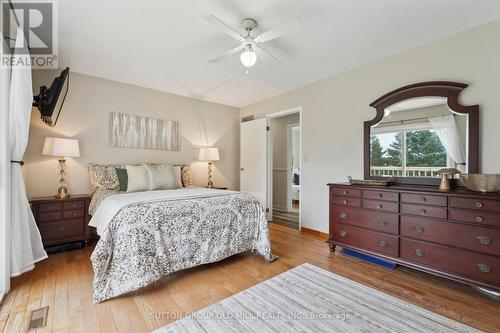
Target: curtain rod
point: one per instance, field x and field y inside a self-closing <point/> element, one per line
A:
<point x="406" y="120"/>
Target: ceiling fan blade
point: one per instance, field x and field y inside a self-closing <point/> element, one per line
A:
<point x="285" y="29"/>
<point x="223" y="27"/>
<point x="263" y="53"/>
<point x="227" y="54"/>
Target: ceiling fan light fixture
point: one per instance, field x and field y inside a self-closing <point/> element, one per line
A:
<point x="248" y="57"/>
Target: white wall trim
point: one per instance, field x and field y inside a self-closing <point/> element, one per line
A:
<point x="289" y="153"/>
<point x="297" y="109"/>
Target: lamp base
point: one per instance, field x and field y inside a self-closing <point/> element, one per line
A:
<point x="62" y="193"/>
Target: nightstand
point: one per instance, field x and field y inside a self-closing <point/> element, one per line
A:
<point x="62" y="220"/>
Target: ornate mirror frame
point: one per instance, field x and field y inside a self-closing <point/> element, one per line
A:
<point x="449" y="90"/>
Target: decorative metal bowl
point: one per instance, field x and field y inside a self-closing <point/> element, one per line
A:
<point x="481" y="182"/>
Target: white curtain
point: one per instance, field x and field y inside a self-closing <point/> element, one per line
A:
<point x="26" y="243"/>
<point x="447" y="131"/>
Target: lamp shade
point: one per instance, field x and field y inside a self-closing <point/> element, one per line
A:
<point x="60" y="147"/>
<point x="209" y="154"/>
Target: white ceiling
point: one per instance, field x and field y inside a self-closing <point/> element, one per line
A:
<point x="165" y="44"/>
<point x="417" y="103"/>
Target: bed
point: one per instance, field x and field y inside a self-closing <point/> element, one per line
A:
<point x="145" y="236"/>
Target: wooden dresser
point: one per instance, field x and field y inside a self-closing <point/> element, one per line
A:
<point x="62" y="221"/>
<point x="452" y="234"/>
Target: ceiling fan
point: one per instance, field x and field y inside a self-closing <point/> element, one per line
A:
<point x="250" y="52"/>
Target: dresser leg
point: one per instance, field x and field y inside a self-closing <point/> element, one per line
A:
<point x="332" y="247"/>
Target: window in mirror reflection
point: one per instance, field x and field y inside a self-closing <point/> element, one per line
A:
<point x="409" y="152"/>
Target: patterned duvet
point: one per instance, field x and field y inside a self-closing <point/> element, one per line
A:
<point x="149" y="239"/>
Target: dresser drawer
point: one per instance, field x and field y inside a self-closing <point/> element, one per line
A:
<point x="380" y="195"/>
<point x="424" y="199"/>
<point x="74" y="205"/>
<point x="345" y="201"/>
<point x="477" y="217"/>
<point x="72" y="214"/>
<point x="49" y="207"/>
<point x="365" y="239"/>
<point x="381" y="205"/>
<point x="50" y="216"/>
<point x="424" y="211"/>
<point x="477" y="204"/>
<point x="467" y="264"/>
<point x="480" y="239"/>
<point x="384" y="222"/>
<point x="62" y="230"/>
<point x="346" y="192"/>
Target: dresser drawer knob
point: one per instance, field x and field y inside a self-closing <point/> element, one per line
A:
<point x="75" y="214"/>
<point x="382" y="223"/>
<point x="423" y="199"/>
<point x="74" y="205"/>
<point x="346" y="202"/>
<point x="343" y="215"/>
<point x="423" y="212"/>
<point x="484" y="268"/>
<point x="345" y="192"/>
<point x="379" y="206"/>
<point x="380" y="195"/>
<point x="419" y="229"/>
<point x="479" y="219"/>
<point x="62" y="229"/>
<point x="483" y="240"/>
<point x="343" y="233"/>
<point x="419" y="253"/>
<point x="479" y="204"/>
<point x="382" y="243"/>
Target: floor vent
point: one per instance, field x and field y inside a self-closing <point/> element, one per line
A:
<point x="39" y="318"/>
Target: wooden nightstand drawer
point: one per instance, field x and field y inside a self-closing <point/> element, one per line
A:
<point x="74" y="205"/>
<point x="49" y="207"/>
<point x="62" y="220"/>
<point x="72" y="214"/>
<point x="50" y="216"/>
<point x="61" y="230"/>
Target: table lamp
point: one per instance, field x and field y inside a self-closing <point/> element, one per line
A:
<point x="209" y="154"/>
<point x="61" y="148"/>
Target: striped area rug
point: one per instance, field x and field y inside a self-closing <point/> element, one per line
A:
<point x="310" y="299"/>
<point x="290" y="219"/>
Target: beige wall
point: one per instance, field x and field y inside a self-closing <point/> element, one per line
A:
<point x="85" y="116"/>
<point x="280" y="168"/>
<point x="334" y="109"/>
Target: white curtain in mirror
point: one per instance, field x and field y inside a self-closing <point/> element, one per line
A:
<point x="447" y="131"/>
<point x="26" y="243"/>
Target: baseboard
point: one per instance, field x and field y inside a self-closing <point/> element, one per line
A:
<point x="280" y="209"/>
<point x="314" y="232"/>
<point x="2" y="294"/>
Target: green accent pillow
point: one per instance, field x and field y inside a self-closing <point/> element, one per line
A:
<point x="122" y="178"/>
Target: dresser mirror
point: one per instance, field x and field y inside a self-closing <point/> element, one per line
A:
<point x="418" y="130"/>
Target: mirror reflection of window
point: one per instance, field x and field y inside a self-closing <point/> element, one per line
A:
<point x="416" y="138"/>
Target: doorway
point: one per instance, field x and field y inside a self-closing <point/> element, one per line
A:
<point x="285" y="167"/>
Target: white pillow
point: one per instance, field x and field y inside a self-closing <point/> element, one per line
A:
<point x="177" y="170"/>
<point x="138" y="179"/>
<point x="161" y="177"/>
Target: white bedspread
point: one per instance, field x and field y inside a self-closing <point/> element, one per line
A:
<point x="111" y="205"/>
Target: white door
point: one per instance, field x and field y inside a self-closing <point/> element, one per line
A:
<point x="253" y="159"/>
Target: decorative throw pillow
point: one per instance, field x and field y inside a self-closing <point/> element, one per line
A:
<point x="122" y="178"/>
<point x="103" y="177"/>
<point x="177" y="176"/>
<point x="161" y="177"/>
<point x="186" y="176"/>
<point x="138" y="178"/>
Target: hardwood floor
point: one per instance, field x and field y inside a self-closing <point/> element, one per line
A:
<point x="64" y="283"/>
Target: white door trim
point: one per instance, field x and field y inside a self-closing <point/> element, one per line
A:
<point x="297" y="109"/>
<point x="289" y="176"/>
